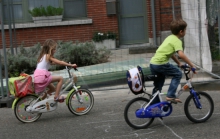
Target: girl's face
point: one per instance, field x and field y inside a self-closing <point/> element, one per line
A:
<point x="53" y="50"/>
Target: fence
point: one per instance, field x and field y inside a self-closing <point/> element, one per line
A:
<point x="124" y="57"/>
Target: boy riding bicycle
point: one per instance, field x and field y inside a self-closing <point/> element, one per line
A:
<point x="159" y="63"/>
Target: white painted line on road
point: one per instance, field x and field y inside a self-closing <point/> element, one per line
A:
<point x="111" y="113"/>
<point x="101" y="122"/>
<point x="105" y="127"/>
<point x="134" y="134"/>
<point x="170" y="129"/>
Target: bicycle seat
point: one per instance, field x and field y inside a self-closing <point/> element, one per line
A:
<point x="151" y="77"/>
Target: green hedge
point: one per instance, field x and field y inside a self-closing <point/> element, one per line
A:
<point x="83" y="54"/>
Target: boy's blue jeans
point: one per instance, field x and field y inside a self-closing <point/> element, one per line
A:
<point x="163" y="71"/>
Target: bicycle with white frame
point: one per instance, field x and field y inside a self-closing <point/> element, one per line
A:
<point x="79" y="101"/>
<point x="139" y="113"/>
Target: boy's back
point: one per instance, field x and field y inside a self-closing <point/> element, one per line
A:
<point x="169" y="46"/>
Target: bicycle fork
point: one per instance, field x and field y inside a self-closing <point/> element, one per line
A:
<point x="77" y="95"/>
<point x="196" y="99"/>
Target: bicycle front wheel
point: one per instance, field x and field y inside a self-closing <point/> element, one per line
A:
<point x="20" y="109"/>
<point x="130" y="113"/>
<point x="195" y="114"/>
<point x="81" y="102"/>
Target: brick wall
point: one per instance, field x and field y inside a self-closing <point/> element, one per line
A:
<point x="163" y="15"/>
<point x="96" y="9"/>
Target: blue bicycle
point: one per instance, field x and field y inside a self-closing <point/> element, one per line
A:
<point x="139" y="113"/>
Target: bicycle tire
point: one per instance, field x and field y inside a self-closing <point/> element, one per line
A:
<point x="130" y="116"/>
<point x="77" y="107"/>
<point x="195" y="114"/>
<point x="20" y="109"/>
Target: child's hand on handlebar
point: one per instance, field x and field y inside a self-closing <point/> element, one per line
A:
<point x="74" y="66"/>
<point x="186" y="66"/>
<point x="193" y="69"/>
<point x="183" y="66"/>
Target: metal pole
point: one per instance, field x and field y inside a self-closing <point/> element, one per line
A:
<point x="153" y="23"/>
<point x="4" y="48"/>
<point x="173" y="10"/>
<point x="2" y="30"/>
<point x="9" y="25"/>
<point x="14" y="31"/>
<point x="3" y="44"/>
<point x="219" y="25"/>
<point x="200" y="32"/>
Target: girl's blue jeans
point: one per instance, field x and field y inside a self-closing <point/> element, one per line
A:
<point x="163" y="71"/>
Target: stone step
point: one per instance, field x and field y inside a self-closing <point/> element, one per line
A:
<point x="141" y="50"/>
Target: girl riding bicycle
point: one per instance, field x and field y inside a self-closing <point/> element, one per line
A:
<point x="42" y="77"/>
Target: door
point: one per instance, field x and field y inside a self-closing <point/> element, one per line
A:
<point x="132" y="21"/>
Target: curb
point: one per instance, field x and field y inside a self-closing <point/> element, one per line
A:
<point x="206" y="86"/>
<point x="6" y="102"/>
<point x="141" y="50"/>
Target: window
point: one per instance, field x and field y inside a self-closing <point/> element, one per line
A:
<point x="19" y="8"/>
<point x="73" y="8"/>
<point x="0" y="11"/>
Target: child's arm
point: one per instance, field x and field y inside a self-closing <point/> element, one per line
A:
<point x="176" y="60"/>
<point x="185" y="59"/>
<point x="56" y="61"/>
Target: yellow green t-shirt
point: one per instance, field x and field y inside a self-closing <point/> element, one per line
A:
<point x="165" y="51"/>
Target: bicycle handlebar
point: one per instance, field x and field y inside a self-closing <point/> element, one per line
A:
<point x="187" y="68"/>
<point x="69" y="68"/>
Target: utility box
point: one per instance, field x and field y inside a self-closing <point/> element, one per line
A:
<point x="111" y="7"/>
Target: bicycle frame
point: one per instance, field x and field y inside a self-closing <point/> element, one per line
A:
<point x="187" y="85"/>
<point x="35" y="107"/>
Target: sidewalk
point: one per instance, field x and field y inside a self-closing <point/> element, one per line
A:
<point x="112" y="75"/>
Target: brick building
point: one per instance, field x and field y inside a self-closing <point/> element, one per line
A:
<point x="132" y="21"/>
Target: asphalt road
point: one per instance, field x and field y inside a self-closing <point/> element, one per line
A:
<point x="106" y="121"/>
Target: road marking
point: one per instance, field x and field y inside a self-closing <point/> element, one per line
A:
<point x="106" y="127"/>
<point x="170" y="129"/>
<point x="134" y="134"/>
<point x="110" y="113"/>
<point x="101" y="122"/>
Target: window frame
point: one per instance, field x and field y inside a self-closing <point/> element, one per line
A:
<point x="26" y="18"/>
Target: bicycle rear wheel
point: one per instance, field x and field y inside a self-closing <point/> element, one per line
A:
<point x="195" y="114"/>
<point x="78" y="107"/>
<point x="20" y="109"/>
<point x="130" y="115"/>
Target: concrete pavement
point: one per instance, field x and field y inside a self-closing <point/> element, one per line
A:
<point x="106" y="121"/>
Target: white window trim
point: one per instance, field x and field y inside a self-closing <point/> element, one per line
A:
<point x="63" y="23"/>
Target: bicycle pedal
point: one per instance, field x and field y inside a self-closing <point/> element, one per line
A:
<point x="173" y="101"/>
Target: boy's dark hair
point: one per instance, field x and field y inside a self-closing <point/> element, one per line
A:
<point x="177" y="25"/>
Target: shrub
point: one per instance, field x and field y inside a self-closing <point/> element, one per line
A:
<point x="83" y="54"/>
<point x="25" y="61"/>
<point x="99" y="36"/>
<point x="214" y="47"/>
<point x="46" y="11"/>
